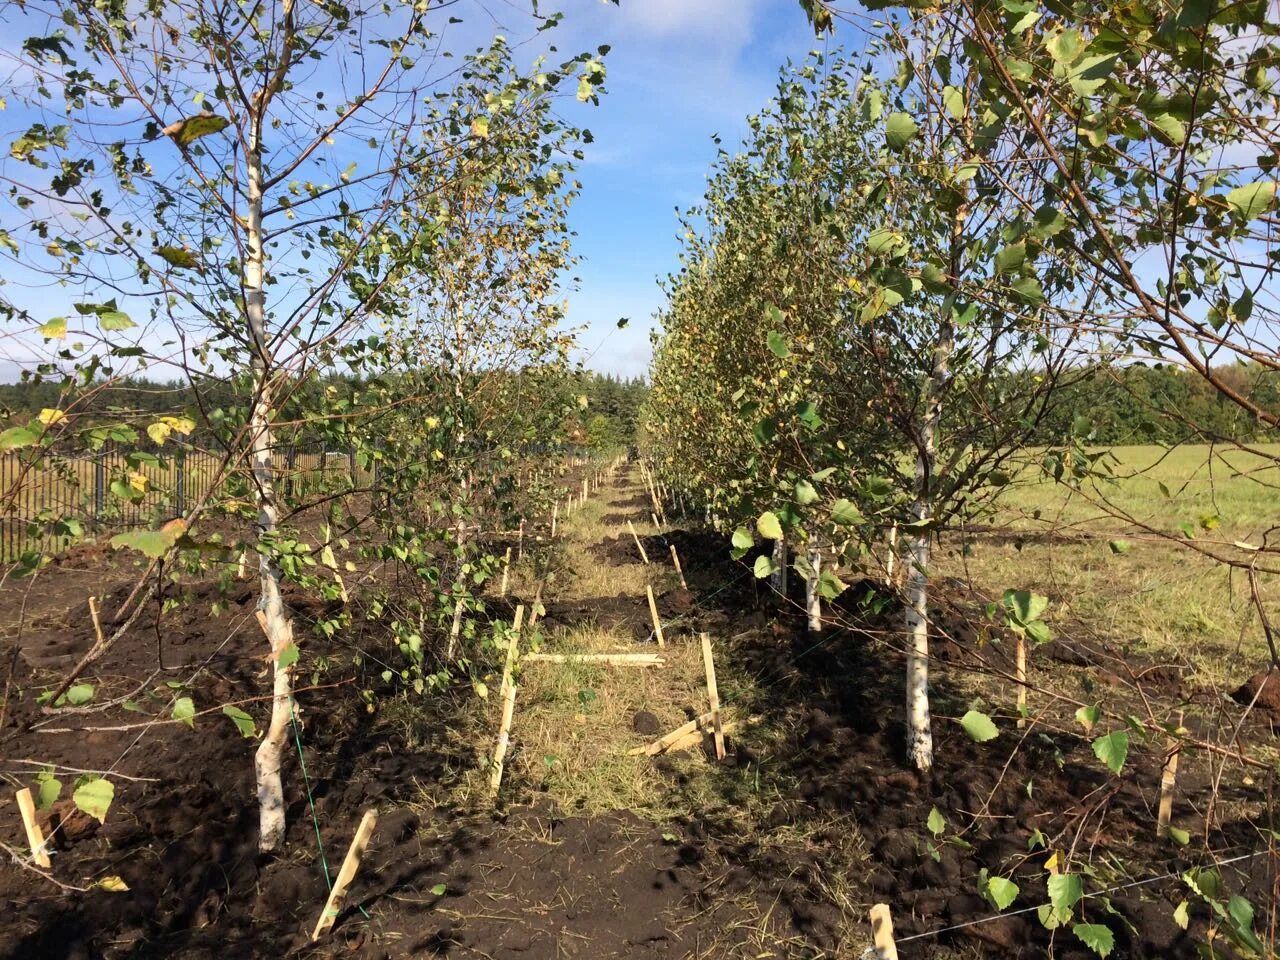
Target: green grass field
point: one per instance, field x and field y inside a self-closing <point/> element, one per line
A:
<point x="1159" y="596"/>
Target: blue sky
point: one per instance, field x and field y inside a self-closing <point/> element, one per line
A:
<point x="679" y="71"/>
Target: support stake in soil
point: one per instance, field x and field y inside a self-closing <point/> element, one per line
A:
<point x="35" y="836"/>
<point x="1168" y="780"/>
<point x="639" y="546"/>
<point x="1020" y="668"/>
<point x="675" y="558"/>
<point x="350" y="864"/>
<point x="506" y="571"/>
<point x="653" y="612"/>
<point x="882" y="932"/>
<point x="713" y="695"/>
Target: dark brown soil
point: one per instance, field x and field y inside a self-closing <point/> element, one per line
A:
<point x="845" y="813"/>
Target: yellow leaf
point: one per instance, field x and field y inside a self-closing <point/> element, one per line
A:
<point x="139" y="481"/>
<point x="112" y="883"/>
<point x="159" y="432"/>
<point x="49" y="416"/>
<point x="1052" y="863"/>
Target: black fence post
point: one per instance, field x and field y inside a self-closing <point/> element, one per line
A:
<point x="99" y="486"/>
<point x="180" y="485"/>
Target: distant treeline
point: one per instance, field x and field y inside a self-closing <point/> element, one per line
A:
<point x="607" y="420"/>
<point x="1167" y="404"/>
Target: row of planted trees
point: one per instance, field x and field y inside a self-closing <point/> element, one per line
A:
<point x="919" y="244"/>
<point x="325" y="225"/>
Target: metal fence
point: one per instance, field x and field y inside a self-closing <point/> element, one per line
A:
<point x="93" y="489"/>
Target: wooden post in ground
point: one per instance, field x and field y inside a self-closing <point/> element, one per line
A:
<point x="639" y="546"/>
<point x="520" y="541"/>
<point x="555" y="511"/>
<point x="35" y="836"/>
<point x="513" y="649"/>
<point x="240" y="566"/>
<point x="882" y="932"/>
<point x="656" y="525"/>
<point x="1168" y="780"/>
<point x="536" y="610"/>
<point x="1020" y="672"/>
<point x="675" y="558"/>
<point x="348" y="873"/>
<point x="97" y="621"/>
<point x="506" y="569"/>
<point x="892" y="560"/>
<point x="713" y="695"/>
<point x="653" y="612"/>
<point x="586" y="490"/>
<point x="455" y="631"/>
<point x="504" y="739"/>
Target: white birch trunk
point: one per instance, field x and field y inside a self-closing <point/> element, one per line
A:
<point x="275" y="623"/>
<point x="812" y="598"/>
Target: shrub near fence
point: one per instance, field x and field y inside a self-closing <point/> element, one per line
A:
<point x="78" y="487"/>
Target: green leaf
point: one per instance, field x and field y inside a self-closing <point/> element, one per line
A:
<point x="845" y="513"/>
<point x="115" y="320"/>
<point x="48" y="791"/>
<point x="1096" y="937"/>
<point x="1011" y="258"/>
<point x="778" y="344"/>
<point x="763" y="567"/>
<point x="953" y="100"/>
<point x="80" y="694"/>
<point x="1253" y="199"/>
<point x="936" y="824"/>
<point x="1119" y="546"/>
<point x="1169" y="128"/>
<point x="1112" y="750"/>
<point x="1001" y="892"/>
<point x="439" y="889"/>
<point x="899" y="130"/>
<point x="1065" y="891"/>
<point x="244" y="723"/>
<point x="288" y="657"/>
<point x="151" y="543"/>
<point x="805" y="493"/>
<point x="768" y="526"/>
<point x="742" y="539"/>
<point x="1181" y="915"/>
<point x="1025" y="605"/>
<point x="94" y="796"/>
<point x="184" y="710"/>
<point x="979" y="726"/>
<point x="55" y="329"/>
<point x="1179" y="836"/>
<point x="178" y="256"/>
<point x="202" y="125"/>
<point x="16" y="437"/>
<point x="1088" y="716"/>
<point x="884" y="241"/>
<point x="1029" y="289"/>
<point x="1065" y="45"/>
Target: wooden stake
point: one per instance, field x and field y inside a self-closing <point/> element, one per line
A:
<point x="97" y="621"/>
<point x="520" y="542"/>
<point x="240" y="567"/>
<point x="585" y="490"/>
<point x="882" y="932"/>
<point x="35" y="836"/>
<point x="653" y="612"/>
<point x="675" y="558"/>
<point x="654" y="517"/>
<point x="555" y="510"/>
<point x="713" y="695"/>
<point x="1020" y="671"/>
<point x="504" y="739"/>
<point x="1168" y="780"/>
<point x="513" y="649"/>
<point x="348" y="873"/>
<point x="664" y="742"/>
<point x="537" y="609"/>
<point x="639" y="546"/>
<point x="506" y="569"/>
<point x="891" y="560"/>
